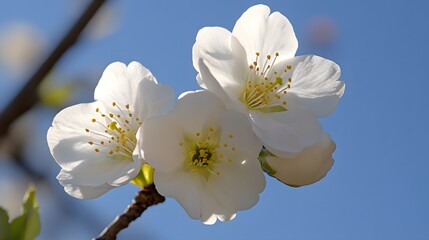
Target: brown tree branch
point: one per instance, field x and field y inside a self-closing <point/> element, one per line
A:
<point x="147" y="197"/>
<point x="28" y="96"/>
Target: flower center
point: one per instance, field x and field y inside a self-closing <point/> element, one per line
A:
<point x="205" y="150"/>
<point x="265" y="88"/>
<point x="117" y="134"/>
<point x="201" y="156"/>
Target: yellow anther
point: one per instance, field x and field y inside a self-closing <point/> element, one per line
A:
<point x="277" y="54"/>
<point x="112" y="126"/>
<point x="90" y="143"/>
<point x="97" y="150"/>
<point x="268" y="57"/>
<point x="127" y="106"/>
<point x="93" y="120"/>
<point x="113" y="104"/>
<point x="289" y="67"/>
<point x="86" y="129"/>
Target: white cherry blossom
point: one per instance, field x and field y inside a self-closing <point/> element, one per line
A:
<point x="95" y="143"/>
<point x="205" y="157"/>
<point x="254" y="71"/>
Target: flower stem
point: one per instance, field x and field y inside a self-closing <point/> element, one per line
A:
<point x="147" y="197"/>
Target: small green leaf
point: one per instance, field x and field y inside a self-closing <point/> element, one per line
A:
<point x="27" y="226"/>
<point x="4" y="225"/>
<point x="264" y="164"/>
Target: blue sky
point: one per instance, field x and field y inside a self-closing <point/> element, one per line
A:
<point x="378" y="186"/>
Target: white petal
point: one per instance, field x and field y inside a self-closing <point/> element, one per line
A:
<point x="213" y="210"/>
<point x="237" y="132"/>
<point x="238" y="184"/>
<point x="224" y="57"/>
<point x="315" y="81"/>
<point x="153" y="99"/>
<point x="133" y="85"/>
<point x="100" y="171"/>
<point x="210" y="83"/>
<point x="187" y="189"/>
<point x="85" y="192"/>
<point x="309" y="166"/>
<point x="289" y="131"/>
<point x="196" y="111"/>
<point x="122" y="84"/>
<point x="67" y="138"/>
<point x="267" y="34"/>
<point x="159" y="141"/>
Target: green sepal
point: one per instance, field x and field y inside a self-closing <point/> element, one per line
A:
<point x="145" y="176"/>
<point x="27" y="226"/>
<point x="4" y="225"/>
<point x="264" y="164"/>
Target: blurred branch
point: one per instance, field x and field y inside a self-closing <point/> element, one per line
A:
<point x="28" y="96"/>
<point x="147" y="197"/>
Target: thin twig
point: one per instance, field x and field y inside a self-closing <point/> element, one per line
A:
<point x="147" y="197"/>
<point x="28" y="96"/>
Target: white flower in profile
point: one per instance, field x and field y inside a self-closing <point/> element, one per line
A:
<point x="255" y="71"/>
<point x="205" y="157"/>
<point x="95" y="143"/>
<point x="307" y="167"/>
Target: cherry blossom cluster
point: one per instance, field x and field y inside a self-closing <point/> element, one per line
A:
<point x="208" y="149"/>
